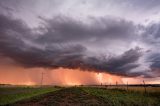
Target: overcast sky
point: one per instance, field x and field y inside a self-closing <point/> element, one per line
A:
<point x="121" y="37"/>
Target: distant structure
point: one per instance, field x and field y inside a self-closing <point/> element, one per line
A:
<point x="42" y="78"/>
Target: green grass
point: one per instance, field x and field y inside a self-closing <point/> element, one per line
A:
<point x="87" y="95"/>
<point x="137" y="88"/>
<point x="119" y="97"/>
<point x="12" y="94"/>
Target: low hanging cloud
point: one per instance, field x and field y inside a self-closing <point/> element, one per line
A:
<point x="151" y="38"/>
<point x="68" y="42"/>
<point x="67" y="29"/>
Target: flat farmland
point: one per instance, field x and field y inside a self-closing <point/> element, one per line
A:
<point x="79" y="96"/>
<point x="9" y="95"/>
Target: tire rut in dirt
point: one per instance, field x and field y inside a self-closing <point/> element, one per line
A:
<point x="64" y="97"/>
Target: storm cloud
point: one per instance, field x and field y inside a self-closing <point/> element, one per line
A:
<point x="20" y="44"/>
<point x="67" y="29"/>
<point x="95" y="43"/>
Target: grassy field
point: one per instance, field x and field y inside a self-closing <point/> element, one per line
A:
<point x="12" y="94"/>
<point x="120" y="97"/>
<point x="136" y="88"/>
<point x="73" y="96"/>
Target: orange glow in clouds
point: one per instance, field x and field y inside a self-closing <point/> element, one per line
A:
<point x="60" y="76"/>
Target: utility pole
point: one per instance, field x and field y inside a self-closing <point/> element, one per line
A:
<point x="42" y="78"/>
<point x="116" y="84"/>
<point x="127" y="85"/>
<point x="144" y="87"/>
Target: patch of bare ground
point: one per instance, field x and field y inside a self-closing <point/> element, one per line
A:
<point x="64" y="97"/>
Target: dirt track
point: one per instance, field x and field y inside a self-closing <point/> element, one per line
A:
<point x="64" y="97"/>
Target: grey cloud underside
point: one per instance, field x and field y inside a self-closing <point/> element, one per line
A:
<point x="56" y="45"/>
<point x="120" y="65"/>
<point x="155" y="59"/>
<point x="151" y="36"/>
<point x="66" y="29"/>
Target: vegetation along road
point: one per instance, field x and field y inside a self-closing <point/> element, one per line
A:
<point x="78" y="96"/>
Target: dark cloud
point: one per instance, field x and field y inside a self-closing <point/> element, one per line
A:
<point x="50" y="48"/>
<point x="120" y="65"/>
<point x="151" y="34"/>
<point x="125" y="62"/>
<point x="66" y="29"/>
<point x="155" y="60"/>
<point x="151" y="37"/>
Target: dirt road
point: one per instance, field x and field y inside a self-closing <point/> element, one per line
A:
<point x="64" y="97"/>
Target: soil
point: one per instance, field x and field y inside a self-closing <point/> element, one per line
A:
<point x="64" y="97"/>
